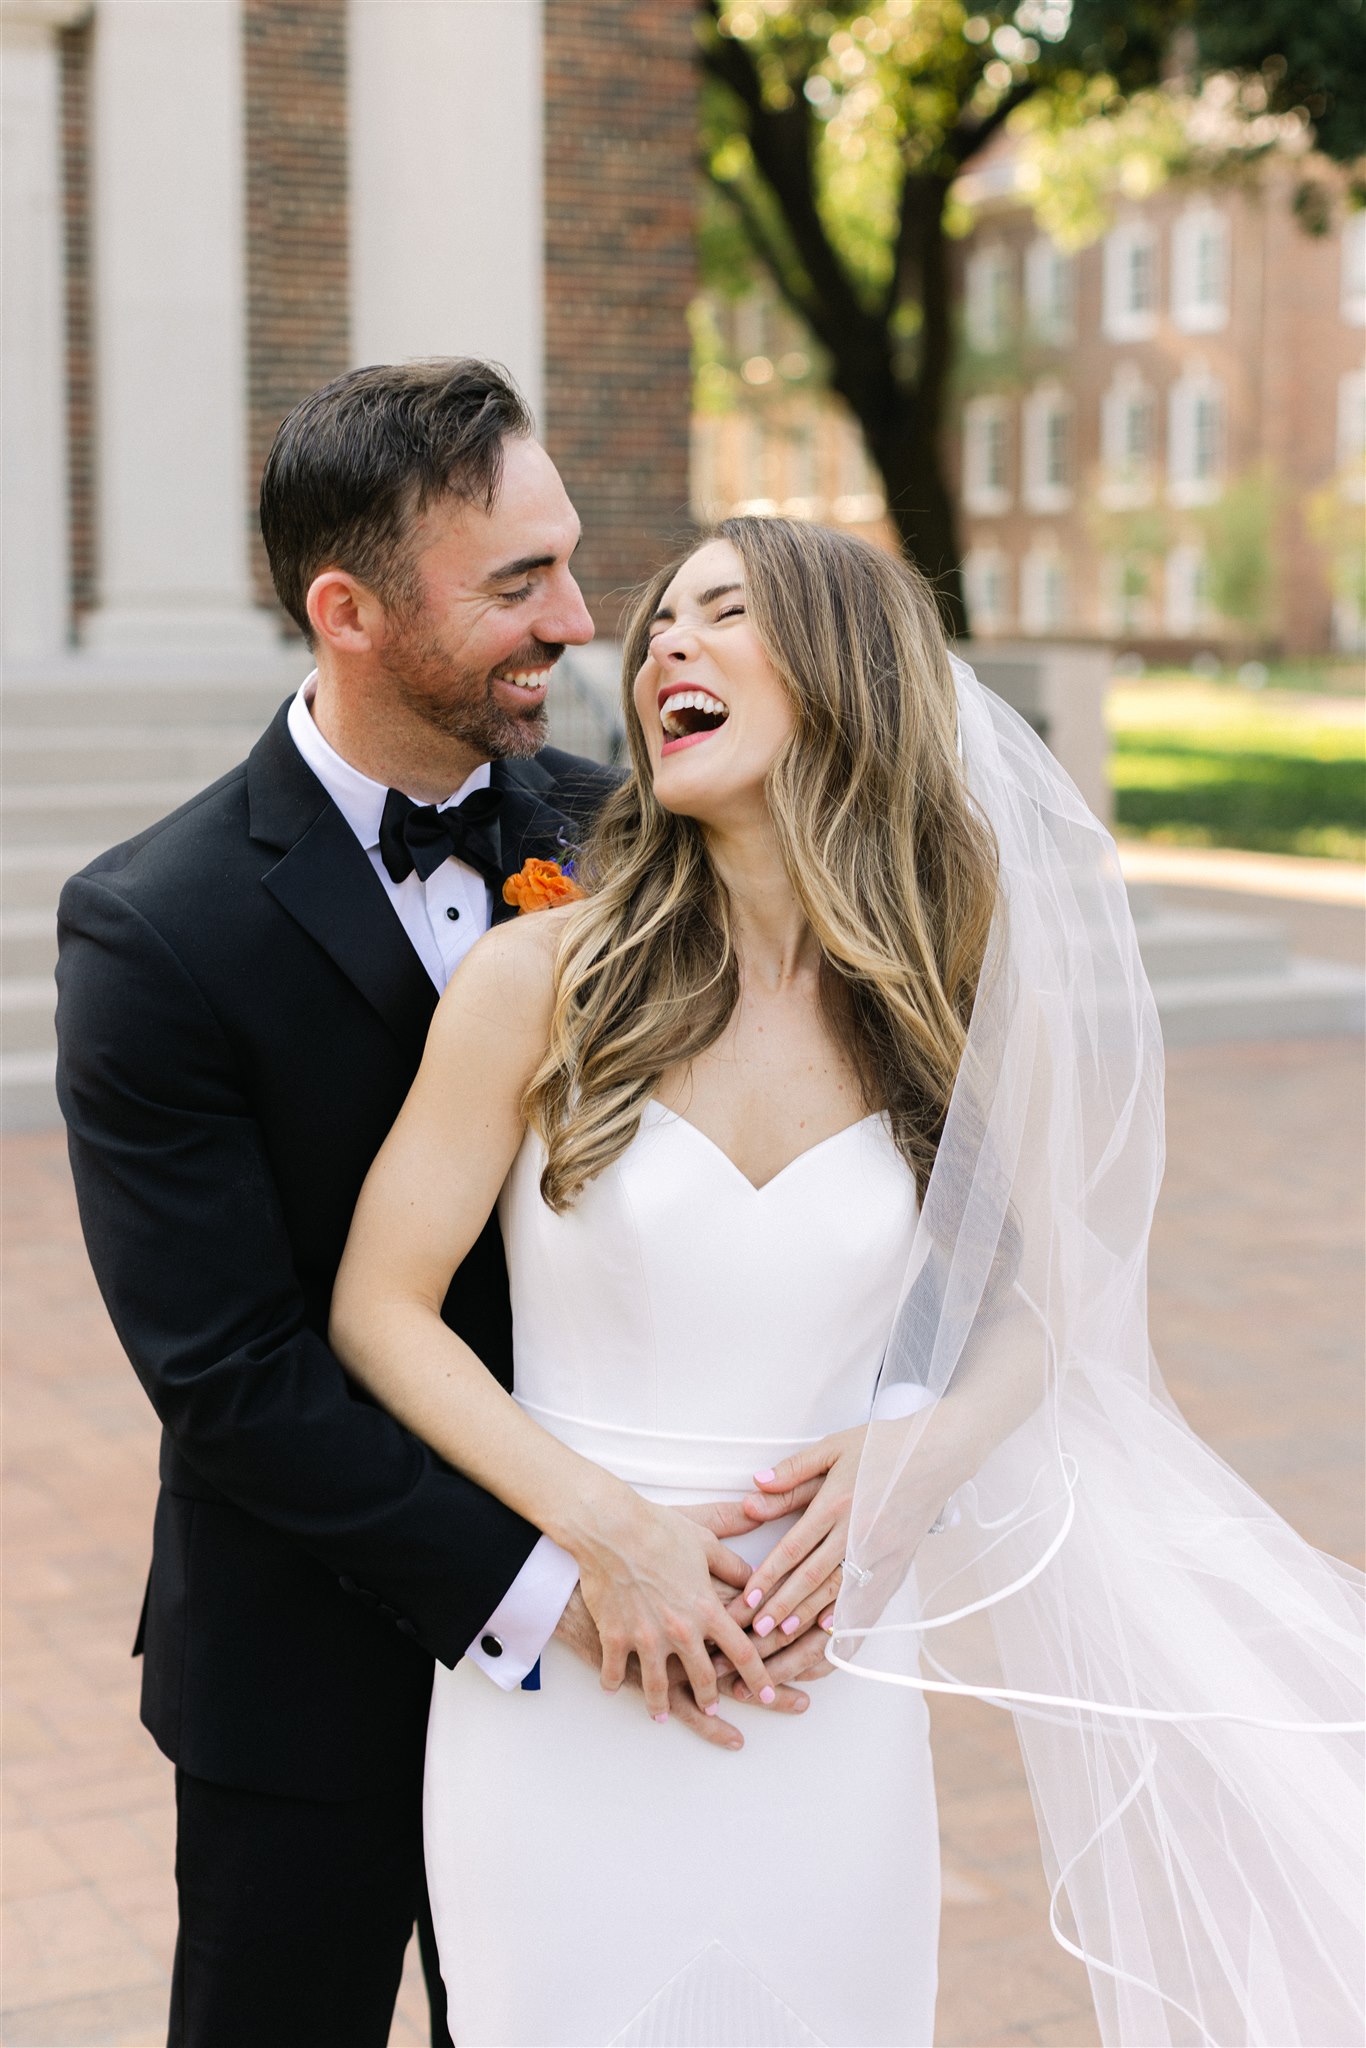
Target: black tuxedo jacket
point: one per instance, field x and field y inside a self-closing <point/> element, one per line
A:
<point x="240" y="1015"/>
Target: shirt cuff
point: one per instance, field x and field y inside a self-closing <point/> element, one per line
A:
<point x="526" y="1617"/>
<point x="896" y="1399"/>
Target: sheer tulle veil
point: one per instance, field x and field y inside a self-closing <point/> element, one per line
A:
<point x="1185" y="1672"/>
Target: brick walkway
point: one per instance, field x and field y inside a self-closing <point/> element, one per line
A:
<point x="1258" y="1317"/>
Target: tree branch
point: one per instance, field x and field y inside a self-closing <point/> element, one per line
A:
<point x="803" y="302"/>
<point x="966" y="138"/>
<point x="779" y="139"/>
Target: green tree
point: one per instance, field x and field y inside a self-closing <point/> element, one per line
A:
<point x="834" y="133"/>
<point x="1239" y="531"/>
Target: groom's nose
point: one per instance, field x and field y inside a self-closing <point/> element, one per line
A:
<point x="564" y="617"/>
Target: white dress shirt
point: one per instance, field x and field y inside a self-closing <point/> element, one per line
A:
<point x="443" y="917"/>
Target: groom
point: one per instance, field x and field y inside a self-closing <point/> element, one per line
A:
<point x="244" y="991"/>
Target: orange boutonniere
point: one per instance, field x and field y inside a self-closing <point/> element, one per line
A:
<point x="541" y="885"/>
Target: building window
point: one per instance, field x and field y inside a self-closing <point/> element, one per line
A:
<point x="1047" y="485"/>
<point x="1200" y="270"/>
<point x="1045" y="597"/>
<point x="1128" y="439"/>
<point x="751" y="459"/>
<point x="1126" y="593"/>
<point x="1129" y="284"/>
<point x="986" y="586"/>
<point x="1351" y="438"/>
<point x="858" y="487"/>
<point x="1186" y="607"/>
<point x="988" y="294"/>
<point x="986" y="455"/>
<point x="1354" y="268"/>
<point x="1195" y="439"/>
<point x="1050" y="291"/>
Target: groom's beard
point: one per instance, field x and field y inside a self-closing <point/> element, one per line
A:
<point x="460" y="703"/>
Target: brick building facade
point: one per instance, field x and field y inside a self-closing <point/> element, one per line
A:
<point x="1170" y="417"/>
<point x="1159" y="438"/>
<point x="227" y="202"/>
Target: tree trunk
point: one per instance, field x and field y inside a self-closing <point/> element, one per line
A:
<point x="924" y="515"/>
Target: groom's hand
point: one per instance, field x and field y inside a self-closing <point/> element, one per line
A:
<point x="577" y="1632"/>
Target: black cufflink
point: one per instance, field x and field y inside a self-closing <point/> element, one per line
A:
<point x="490" y="1646"/>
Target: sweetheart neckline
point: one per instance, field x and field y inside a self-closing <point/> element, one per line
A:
<point x="762" y="1187"/>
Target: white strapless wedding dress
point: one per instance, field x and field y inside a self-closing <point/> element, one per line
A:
<point x="598" y="1879"/>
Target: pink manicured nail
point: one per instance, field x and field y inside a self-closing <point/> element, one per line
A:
<point x="790" y="1625"/>
<point x="753" y="1599"/>
<point x="764" y="1477"/>
<point x="828" y="1620"/>
<point x="765" y="1626"/>
<point x="661" y="1717"/>
<point x="768" y="1695"/>
<point x="712" y="1709"/>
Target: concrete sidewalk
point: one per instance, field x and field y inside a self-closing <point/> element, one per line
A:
<point x="1257" y="1317"/>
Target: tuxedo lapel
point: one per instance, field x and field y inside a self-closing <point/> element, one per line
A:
<point x="325" y="882"/>
<point x="533" y="824"/>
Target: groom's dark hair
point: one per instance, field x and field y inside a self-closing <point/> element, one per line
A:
<point x="354" y="465"/>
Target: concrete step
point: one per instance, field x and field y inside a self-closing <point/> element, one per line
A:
<point x="1303" y="999"/>
<point x="160" y="690"/>
<point x="1178" y="943"/>
<point x="28" y="1092"/>
<point x="48" y="813"/>
<point x="31" y="877"/>
<point x="46" y="754"/>
<point x="28" y="942"/>
<point x="27" y="1004"/>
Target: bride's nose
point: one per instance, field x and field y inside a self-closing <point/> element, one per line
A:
<point x="673" y="643"/>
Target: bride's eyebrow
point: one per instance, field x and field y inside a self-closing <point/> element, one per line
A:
<point x="664" y="616"/>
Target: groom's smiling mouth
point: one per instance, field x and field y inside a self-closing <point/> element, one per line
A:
<point x="527" y="682"/>
<point x="688" y="716"/>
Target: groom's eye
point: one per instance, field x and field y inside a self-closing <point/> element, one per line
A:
<point x="516" y="596"/>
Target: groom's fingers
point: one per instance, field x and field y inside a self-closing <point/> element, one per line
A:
<point x="788" y="1698"/>
<point x="720" y="1734"/>
<point x="726" y="1565"/>
<point x="743" y="1652"/>
<point x="721" y="1517"/>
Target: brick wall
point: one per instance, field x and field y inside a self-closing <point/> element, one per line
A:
<point x="297" y="220"/>
<point x="73" y="46"/>
<point x="620" y="148"/>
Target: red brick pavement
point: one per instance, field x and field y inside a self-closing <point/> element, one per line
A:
<point x="1258" y="1317"/>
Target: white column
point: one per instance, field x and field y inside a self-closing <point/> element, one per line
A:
<point x="35" y="567"/>
<point x="446" y="124"/>
<point x="170" y="329"/>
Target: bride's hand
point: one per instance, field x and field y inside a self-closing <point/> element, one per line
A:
<point x="801" y="1568"/>
<point x="646" y="1575"/>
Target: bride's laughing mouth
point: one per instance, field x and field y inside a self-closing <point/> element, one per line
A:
<point x="689" y="716"/>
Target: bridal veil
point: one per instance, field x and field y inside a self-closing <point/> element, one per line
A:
<point x="1185" y="1672"/>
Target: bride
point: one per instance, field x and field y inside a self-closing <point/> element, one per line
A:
<point x="781" y="1121"/>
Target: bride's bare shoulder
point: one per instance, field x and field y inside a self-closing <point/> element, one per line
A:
<point x="506" y="982"/>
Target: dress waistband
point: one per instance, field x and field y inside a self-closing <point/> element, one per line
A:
<point x="643" y="1457"/>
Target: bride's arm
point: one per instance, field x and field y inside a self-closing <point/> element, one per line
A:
<point x="644" y="1571"/>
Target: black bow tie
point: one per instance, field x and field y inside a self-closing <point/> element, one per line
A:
<point x="418" y="837"/>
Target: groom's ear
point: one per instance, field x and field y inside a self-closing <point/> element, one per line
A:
<point x="344" y="614"/>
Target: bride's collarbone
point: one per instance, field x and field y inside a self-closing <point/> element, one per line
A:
<point x="764" y="1112"/>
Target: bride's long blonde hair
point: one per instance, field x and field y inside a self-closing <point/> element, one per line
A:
<point x="890" y="862"/>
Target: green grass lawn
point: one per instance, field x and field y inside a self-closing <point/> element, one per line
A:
<point x="1201" y="762"/>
